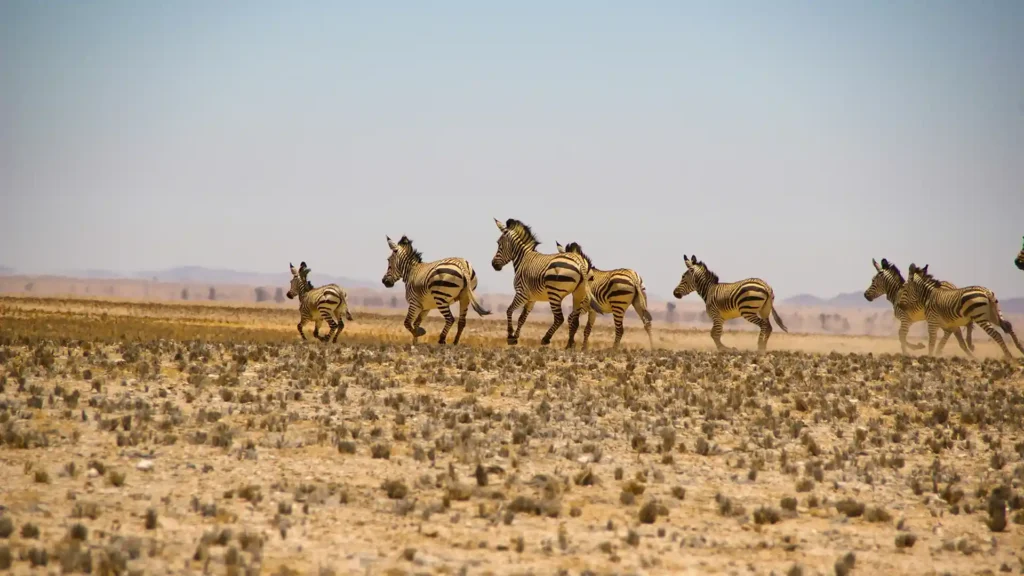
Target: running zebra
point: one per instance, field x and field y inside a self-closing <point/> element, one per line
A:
<point x="1019" y="261"/>
<point x="948" y="308"/>
<point x="752" y="299"/>
<point x="430" y="285"/>
<point x="907" y="308"/>
<point x="328" y="303"/>
<point x="613" y="291"/>
<point x="541" y="277"/>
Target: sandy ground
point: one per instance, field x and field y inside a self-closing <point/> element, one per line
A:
<point x="204" y="438"/>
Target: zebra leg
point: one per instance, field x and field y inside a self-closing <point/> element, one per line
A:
<point x="412" y="316"/>
<point x="341" y="326"/>
<point x="646" y="317"/>
<point x="449" y="319"/>
<point x="556" y="311"/>
<point x="946" y="333"/>
<point x="316" y="330"/>
<point x="991" y="331"/>
<point x="301" y="333"/>
<point x="716" y="333"/>
<point x="419" y="320"/>
<point x="970" y="340"/>
<point x="933" y="330"/>
<point x="766" y="331"/>
<point x="463" y="311"/>
<point x="591" y="315"/>
<point x="326" y="315"/>
<point x="959" y="340"/>
<point x="904" y="345"/>
<point x="527" y="308"/>
<point x="617" y="315"/>
<point x="580" y="302"/>
<point x="519" y="300"/>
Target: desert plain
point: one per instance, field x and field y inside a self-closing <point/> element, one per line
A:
<point x="170" y="438"/>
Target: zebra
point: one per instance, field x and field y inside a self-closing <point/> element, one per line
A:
<point x="753" y="299"/>
<point x="1019" y="260"/>
<point x="949" y="308"/>
<point x="888" y="280"/>
<point x="430" y="285"/>
<point x="329" y="301"/>
<point x="613" y="291"/>
<point x="541" y="277"/>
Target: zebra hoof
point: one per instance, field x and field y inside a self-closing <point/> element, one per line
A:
<point x="512" y="341"/>
<point x="545" y="341"/>
<point x="420" y="331"/>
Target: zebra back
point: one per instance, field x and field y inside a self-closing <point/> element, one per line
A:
<point x="609" y="289"/>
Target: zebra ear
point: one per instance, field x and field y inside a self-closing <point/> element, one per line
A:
<point x="688" y="261"/>
<point x="559" y="246"/>
<point x="292" y="268"/>
<point x="877" y="267"/>
<point x="885" y="264"/>
<point x="500" y="225"/>
<point x="391" y="244"/>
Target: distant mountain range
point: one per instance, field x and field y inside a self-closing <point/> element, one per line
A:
<point x="844" y="300"/>
<point x="214" y="276"/>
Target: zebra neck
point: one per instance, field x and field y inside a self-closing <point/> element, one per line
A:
<point x="409" y="268"/>
<point x="522" y="256"/>
<point x="704" y="286"/>
<point x="892" y="291"/>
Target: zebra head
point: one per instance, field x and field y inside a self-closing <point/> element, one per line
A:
<point x="402" y="257"/>
<point x="920" y="284"/>
<point x="299" y="284"/>
<point x="1019" y="261"/>
<point x="516" y="240"/>
<point x="696" y="278"/>
<point x="887" y="280"/>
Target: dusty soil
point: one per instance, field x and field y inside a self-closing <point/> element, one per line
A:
<point x="176" y="439"/>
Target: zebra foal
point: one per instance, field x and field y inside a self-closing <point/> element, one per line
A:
<point x="430" y="285"/>
<point x="541" y="277"/>
<point x="613" y="291"/>
<point x="907" y="305"/>
<point x="329" y="303"/>
<point x="753" y="299"/>
<point x="949" y="308"/>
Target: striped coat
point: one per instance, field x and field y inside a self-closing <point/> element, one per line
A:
<point x="614" y="291"/>
<point x="430" y="285"/>
<point x="1019" y="260"/>
<point x="328" y="303"/>
<point x="947" y="309"/>
<point x="907" y="305"/>
<point x="541" y="277"/>
<point x="753" y="299"/>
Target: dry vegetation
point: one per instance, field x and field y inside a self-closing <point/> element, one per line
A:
<point x="193" y="437"/>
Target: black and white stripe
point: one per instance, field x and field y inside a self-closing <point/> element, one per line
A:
<point x="752" y="299"/>
<point x="430" y="285"/>
<point x="907" y="305"/>
<point x="327" y="303"/>
<point x="948" y="308"/>
<point x="541" y="278"/>
<point x="1019" y="260"/>
<point x="613" y="291"/>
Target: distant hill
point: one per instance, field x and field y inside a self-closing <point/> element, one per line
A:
<point x="200" y="275"/>
<point x="844" y="300"/>
<point x="1012" y="306"/>
<point x="5" y="271"/>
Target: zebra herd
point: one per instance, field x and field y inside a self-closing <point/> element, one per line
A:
<point x="551" y="278"/>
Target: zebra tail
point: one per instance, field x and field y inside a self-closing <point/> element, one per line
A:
<point x="476" y="303"/>
<point x="778" y="319"/>
<point x="641" y="297"/>
<point x="996" y="316"/>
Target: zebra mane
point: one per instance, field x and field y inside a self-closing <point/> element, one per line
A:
<point x="926" y="277"/>
<point x="886" y="265"/>
<point x="414" y="254"/>
<point x="575" y="248"/>
<point x="525" y="231"/>
<point x="710" y="274"/>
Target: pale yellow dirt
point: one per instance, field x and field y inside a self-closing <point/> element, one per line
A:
<point x="251" y="405"/>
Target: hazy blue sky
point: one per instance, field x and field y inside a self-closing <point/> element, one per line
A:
<point x="791" y="140"/>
